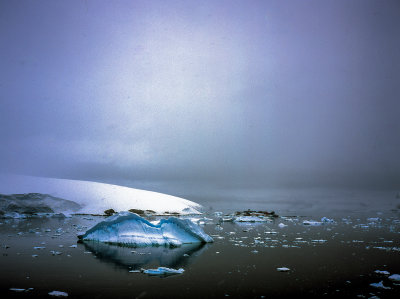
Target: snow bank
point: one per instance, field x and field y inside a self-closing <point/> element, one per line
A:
<point x="95" y="198"/>
<point x="130" y="229"/>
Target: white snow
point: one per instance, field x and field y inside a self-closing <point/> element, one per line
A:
<point x="131" y="229"/>
<point x="95" y="197"/>
<point x="395" y="277"/>
<point x="163" y="271"/>
<point x="58" y="294"/>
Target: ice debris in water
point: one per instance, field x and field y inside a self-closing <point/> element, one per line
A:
<point x="327" y="220"/>
<point x="379" y="285"/>
<point x="324" y="220"/>
<point x="131" y="229"/>
<point x="58" y="294"/>
<point x="250" y="219"/>
<point x="312" y="222"/>
<point x="395" y="277"/>
<point x="382" y="272"/>
<point x="283" y="269"/>
<point x="282" y="225"/>
<point x="17" y="290"/>
<point x="163" y="271"/>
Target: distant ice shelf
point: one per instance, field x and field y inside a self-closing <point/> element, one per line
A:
<point x="130" y="229"/>
<point x="93" y="197"/>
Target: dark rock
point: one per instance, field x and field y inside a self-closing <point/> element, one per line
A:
<point x="109" y="212"/>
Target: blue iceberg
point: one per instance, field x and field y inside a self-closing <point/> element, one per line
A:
<point x="130" y="229"/>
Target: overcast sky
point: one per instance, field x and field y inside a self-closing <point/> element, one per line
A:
<point x="266" y="92"/>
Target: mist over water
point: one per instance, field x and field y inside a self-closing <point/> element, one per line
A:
<point x="223" y="94"/>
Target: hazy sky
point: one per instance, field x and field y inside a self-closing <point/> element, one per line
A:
<point x="234" y="91"/>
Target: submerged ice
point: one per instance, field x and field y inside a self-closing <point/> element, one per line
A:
<point x="130" y="229"/>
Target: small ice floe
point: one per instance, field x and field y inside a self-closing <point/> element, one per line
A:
<point x="17" y="290"/>
<point x="376" y="219"/>
<point x="135" y="271"/>
<point x="39" y="247"/>
<point x="227" y="219"/>
<point x="218" y="214"/>
<point x="327" y="220"/>
<point x="34" y="255"/>
<point x="312" y="223"/>
<point x="131" y="229"/>
<point x="395" y="277"/>
<point x="250" y="219"/>
<point x="283" y="269"/>
<point x="382" y="272"/>
<point x="282" y="225"/>
<point x="319" y="241"/>
<point x="254" y="251"/>
<point x="379" y="285"/>
<point x="58" y="294"/>
<point x="163" y="271"/>
<point x="53" y="252"/>
<point x="73" y="246"/>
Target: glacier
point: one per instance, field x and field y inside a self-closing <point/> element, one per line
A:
<point x="92" y="197"/>
<point x="129" y="229"/>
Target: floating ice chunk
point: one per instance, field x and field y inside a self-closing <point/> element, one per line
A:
<point x="395" y="277"/>
<point x="318" y="241"/>
<point x="282" y="225"/>
<point x="17" y="290"/>
<point x="58" y="294"/>
<point x="283" y="269"/>
<point x="377" y="219"/>
<point x="312" y="222"/>
<point x="131" y="229"/>
<point x="379" y="285"/>
<point x="382" y="272"/>
<point x="163" y="271"/>
<point x="327" y="220"/>
<point x="250" y="219"/>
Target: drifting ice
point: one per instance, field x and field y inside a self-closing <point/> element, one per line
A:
<point x="163" y="271"/>
<point x="130" y="229"/>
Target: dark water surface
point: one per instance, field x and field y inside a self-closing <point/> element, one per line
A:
<point x="331" y="260"/>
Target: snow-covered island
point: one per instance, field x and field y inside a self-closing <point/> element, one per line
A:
<point x="130" y="229"/>
<point x="38" y="194"/>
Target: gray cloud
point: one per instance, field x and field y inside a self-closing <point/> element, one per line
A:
<point x="267" y="92"/>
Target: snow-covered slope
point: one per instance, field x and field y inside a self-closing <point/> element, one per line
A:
<point x="95" y="198"/>
<point x="131" y="229"/>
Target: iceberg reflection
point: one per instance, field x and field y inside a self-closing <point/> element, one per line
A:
<point x="137" y="258"/>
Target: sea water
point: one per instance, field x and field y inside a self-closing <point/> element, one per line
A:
<point x="352" y="255"/>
